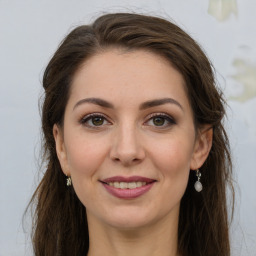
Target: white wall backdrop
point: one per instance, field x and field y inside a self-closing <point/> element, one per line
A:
<point x="29" y="34"/>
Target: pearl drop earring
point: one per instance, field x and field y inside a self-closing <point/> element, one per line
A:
<point x="69" y="181"/>
<point x="198" y="185"/>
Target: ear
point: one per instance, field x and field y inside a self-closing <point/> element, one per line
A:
<point x="60" y="148"/>
<point x="202" y="147"/>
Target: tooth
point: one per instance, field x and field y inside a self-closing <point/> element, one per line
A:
<point x="116" y="184"/>
<point x="138" y="184"/>
<point x="131" y="185"/>
<point x="123" y="185"/>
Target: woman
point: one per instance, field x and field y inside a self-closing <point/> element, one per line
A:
<point x="137" y="157"/>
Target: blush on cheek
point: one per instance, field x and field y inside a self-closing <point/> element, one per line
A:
<point x="175" y="153"/>
<point x="81" y="155"/>
<point x="81" y="165"/>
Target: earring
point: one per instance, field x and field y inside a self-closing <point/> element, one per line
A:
<point x="69" y="181"/>
<point x="198" y="185"/>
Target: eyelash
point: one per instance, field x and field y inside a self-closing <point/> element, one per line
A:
<point x="167" y="118"/>
<point x="87" y="118"/>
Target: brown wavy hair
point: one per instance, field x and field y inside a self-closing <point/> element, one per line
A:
<point x="59" y="220"/>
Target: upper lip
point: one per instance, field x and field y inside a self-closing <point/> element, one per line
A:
<point x="127" y="179"/>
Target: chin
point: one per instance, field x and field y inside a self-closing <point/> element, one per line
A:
<point x="128" y="223"/>
<point x="130" y="218"/>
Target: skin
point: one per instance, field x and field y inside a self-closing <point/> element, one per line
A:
<point x="129" y="141"/>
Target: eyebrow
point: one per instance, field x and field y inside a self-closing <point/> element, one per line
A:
<point x="158" y="102"/>
<point x="95" y="101"/>
<point x="143" y="106"/>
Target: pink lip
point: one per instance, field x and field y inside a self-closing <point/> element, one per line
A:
<point x="128" y="193"/>
<point x="128" y="179"/>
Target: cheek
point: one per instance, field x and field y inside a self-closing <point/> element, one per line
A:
<point x="173" y="156"/>
<point x="172" y="159"/>
<point x="84" y="155"/>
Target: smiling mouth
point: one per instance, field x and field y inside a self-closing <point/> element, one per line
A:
<point x="127" y="185"/>
<point x="127" y="182"/>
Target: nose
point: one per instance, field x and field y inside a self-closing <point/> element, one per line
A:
<point x="127" y="146"/>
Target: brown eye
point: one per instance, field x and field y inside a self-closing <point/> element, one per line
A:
<point x="159" y="121"/>
<point x="94" y="121"/>
<point x="97" y="120"/>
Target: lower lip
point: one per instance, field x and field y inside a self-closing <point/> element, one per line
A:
<point x="128" y="193"/>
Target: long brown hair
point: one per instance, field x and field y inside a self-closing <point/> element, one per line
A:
<point x="59" y="223"/>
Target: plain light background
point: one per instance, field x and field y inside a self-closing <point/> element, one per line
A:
<point x="30" y="32"/>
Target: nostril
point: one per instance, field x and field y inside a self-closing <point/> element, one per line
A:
<point x="126" y="155"/>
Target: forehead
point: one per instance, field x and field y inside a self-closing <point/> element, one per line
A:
<point x="132" y="76"/>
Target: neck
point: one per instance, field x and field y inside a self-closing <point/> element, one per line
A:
<point x="159" y="238"/>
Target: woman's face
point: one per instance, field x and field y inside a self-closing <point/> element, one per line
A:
<point x="129" y="140"/>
